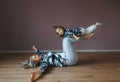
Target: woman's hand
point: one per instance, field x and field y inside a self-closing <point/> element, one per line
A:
<point x="34" y="48"/>
<point x="35" y="75"/>
<point x="32" y="76"/>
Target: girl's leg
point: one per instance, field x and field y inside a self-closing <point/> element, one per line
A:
<point x="68" y="49"/>
<point x="92" y="28"/>
<point x="88" y="36"/>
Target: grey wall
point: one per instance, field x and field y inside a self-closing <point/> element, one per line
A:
<point x="24" y="23"/>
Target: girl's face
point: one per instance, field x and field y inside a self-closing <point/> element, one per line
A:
<point x="36" y="58"/>
<point x="60" y="31"/>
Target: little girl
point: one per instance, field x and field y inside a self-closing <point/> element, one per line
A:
<point x="76" y="33"/>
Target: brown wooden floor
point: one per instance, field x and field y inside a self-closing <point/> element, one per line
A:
<point x="91" y="67"/>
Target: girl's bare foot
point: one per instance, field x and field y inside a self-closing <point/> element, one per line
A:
<point x="98" y="24"/>
<point x="89" y="36"/>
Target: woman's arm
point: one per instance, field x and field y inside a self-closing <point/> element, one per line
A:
<point x="34" y="48"/>
<point x="35" y="75"/>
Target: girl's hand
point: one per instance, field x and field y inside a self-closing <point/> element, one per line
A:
<point x="77" y="38"/>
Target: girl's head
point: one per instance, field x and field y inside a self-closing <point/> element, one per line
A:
<point x="60" y="30"/>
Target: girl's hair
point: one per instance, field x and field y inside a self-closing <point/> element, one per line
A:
<point x="59" y="27"/>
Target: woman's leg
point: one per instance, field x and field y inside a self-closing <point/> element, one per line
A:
<point x="69" y="51"/>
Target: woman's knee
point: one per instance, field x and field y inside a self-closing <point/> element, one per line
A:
<point x="67" y="39"/>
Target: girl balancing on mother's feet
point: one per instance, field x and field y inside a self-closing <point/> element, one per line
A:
<point x="76" y="33"/>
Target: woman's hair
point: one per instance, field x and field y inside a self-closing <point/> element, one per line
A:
<point x="28" y="63"/>
<point x="31" y="62"/>
<point x="59" y="27"/>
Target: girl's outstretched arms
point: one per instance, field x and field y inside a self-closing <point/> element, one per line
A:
<point x="76" y="37"/>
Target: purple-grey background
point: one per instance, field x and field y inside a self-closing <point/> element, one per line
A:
<point x="24" y="23"/>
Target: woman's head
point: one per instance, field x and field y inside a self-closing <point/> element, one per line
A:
<point x="60" y="30"/>
<point x="33" y="60"/>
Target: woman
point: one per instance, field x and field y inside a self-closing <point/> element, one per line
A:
<point x="45" y="60"/>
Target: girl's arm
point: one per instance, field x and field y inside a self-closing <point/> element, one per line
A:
<point x="77" y="38"/>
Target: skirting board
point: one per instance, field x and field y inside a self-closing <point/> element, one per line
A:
<point x="31" y="51"/>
